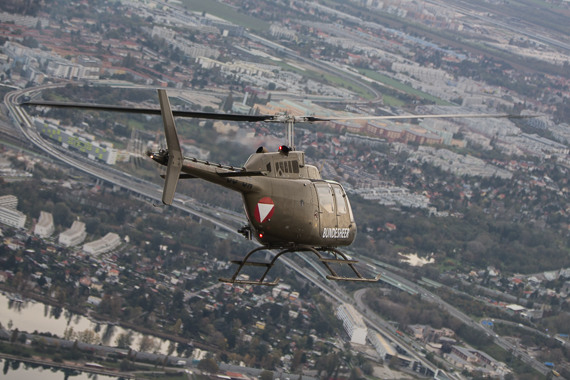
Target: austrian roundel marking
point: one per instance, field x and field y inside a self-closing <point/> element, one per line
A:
<point x="264" y="209"/>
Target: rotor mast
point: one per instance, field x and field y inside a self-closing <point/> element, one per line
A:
<point x="291" y="133"/>
<point x="289" y="121"/>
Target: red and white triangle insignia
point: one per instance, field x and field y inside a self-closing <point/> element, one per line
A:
<point x="264" y="210"/>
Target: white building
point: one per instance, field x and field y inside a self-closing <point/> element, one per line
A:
<point x="74" y="235"/>
<point x="281" y="32"/>
<point x="9" y="201"/>
<point x="44" y="227"/>
<point x="105" y="244"/>
<point x="353" y="323"/>
<point x="9" y="215"/>
<point x="382" y="346"/>
<point x="70" y="70"/>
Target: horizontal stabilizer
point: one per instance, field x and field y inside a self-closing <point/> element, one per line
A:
<point x="241" y="174"/>
<point x="181" y="176"/>
<point x="249" y="282"/>
<point x="353" y="279"/>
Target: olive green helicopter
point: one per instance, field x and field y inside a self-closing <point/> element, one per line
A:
<point x="289" y="207"/>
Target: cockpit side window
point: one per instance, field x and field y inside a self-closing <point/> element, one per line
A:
<point x="340" y="198"/>
<point x="326" y="200"/>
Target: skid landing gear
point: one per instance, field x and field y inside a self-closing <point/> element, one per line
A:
<point x="337" y="258"/>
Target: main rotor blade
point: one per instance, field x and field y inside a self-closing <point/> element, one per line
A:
<point x="279" y="118"/>
<point x="312" y="119"/>
<point x="150" y="111"/>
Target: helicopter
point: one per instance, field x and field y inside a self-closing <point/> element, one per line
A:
<point x="288" y="205"/>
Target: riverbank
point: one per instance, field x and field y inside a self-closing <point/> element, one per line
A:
<point x="96" y="322"/>
<point x="76" y="366"/>
<point x="102" y="320"/>
<point x="98" y="319"/>
<point x="92" y="359"/>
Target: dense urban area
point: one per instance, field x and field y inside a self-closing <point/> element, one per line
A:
<point x="466" y="219"/>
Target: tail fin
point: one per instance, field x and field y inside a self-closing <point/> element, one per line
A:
<point x="175" y="158"/>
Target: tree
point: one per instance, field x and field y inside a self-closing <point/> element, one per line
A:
<point x="266" y="375"/>
<point x="14" y="335"/>
<point x="228" y="103"/>
<point x="68" y="333"/>
<point x="124" y="340"/>
<point x="368" y="368"/>
<point x="171" y="348"/>
<point x="297" y="359"/>
<point x="146" y="343"/>
<point x="177" y="327"/>
<point x="88" y="336"/>
<point x="208" y="365"/>
<point x="394" y="362"/>
<point x="62" y="215"/>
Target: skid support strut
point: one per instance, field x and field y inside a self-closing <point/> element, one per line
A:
<point x="337" y="258"/>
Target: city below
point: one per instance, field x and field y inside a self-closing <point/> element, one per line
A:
<point x="465" y="218"/>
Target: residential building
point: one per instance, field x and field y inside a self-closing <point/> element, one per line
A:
<point x="44" y="227"/>
<point x="105" y="244"/>
<point x="353" y="323"/>
<point x="9" y="201"/>
<point x="382" y="346"/>
<point x="74" y="235"/>
<point x="9" y="215"/>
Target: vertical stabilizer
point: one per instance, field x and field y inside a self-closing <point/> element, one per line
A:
<point x="175" y="158"/>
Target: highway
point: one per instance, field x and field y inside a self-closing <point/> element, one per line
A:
<point x="488" y="15"/>
<point x="405" y="284"/>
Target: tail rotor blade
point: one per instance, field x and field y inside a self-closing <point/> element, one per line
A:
<point x="175" y="158"/>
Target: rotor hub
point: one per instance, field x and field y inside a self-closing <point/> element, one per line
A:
<point x="161" y="156"/>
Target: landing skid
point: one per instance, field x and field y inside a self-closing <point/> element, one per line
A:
<point x="337" y="258"/>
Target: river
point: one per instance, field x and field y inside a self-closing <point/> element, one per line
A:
<point x="31" y="316"/>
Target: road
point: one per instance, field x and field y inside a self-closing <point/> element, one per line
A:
<point x="479" y="11"/>
<point x="403" y="283"/>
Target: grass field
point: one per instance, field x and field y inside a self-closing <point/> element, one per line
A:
<point x="392" y="83"/>
<point x="227" y="13"/>
<point x="328" y="78"/>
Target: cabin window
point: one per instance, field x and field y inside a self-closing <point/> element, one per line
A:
<point x="340" y="200"/>
<point x="326" y="200"/>
<point x="287" y="166"/>
<point x="269" y="167"/>
<point x="295" y="166"/>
